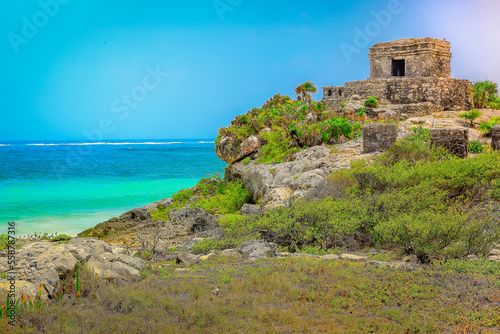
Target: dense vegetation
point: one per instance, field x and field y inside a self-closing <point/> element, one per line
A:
<point x="212" y="194"/>
<point x="415" y="198"/>
<point x="288" y="125"/>
<point x="485" y="94"/>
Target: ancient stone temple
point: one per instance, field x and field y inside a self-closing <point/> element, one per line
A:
<point x="407" y="72"/>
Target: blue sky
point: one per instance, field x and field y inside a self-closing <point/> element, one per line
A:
<point x="77" y="70"/>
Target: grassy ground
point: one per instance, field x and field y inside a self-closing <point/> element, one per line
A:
<point x="285" y="295"/>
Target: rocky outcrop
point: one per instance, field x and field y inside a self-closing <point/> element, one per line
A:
<point x="46" y="264"/>
<point x="192" y="220"/>
<point x="126" y="223"/>
<point x="250" y="210"/>
<point x="231" y="150"/>
<point x="116" y="267"/>
<point x="305" y="177"/>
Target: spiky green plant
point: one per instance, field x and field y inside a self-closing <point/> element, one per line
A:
<point x="471" y="115"/>
<point x="77" y="284"/>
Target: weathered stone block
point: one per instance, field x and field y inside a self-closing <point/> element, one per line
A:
<point x="456" y="141"/>
<point x="377" y="137"/>
<point x="495" y="137"/>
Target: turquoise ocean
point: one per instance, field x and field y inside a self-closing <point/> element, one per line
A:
<point x="69" y="186"/>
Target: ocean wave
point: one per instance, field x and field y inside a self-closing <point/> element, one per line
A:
<point x="4" y="144"/>
<point x="108" y="143"/>
<point x="206" y="142"/>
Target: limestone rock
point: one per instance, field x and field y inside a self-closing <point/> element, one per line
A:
<point x="250" y="210"/>
<point x="232" y="252"/>
<point x="125" y="223"/>
<point x="22" y="287"/>
<point x="114" y="267"/>
<point x="303" y="255"/>
<point x="257" y="249"/>
<point x="83" y="248"/>
<point x="187" y="258"/>
<point x="194" y="220"/>
<point x="305" y="177"/>
<point x="352" y="257"/>
<point x="231" y="150"/>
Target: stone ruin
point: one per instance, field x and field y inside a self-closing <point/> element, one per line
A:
<point x="495" y="138"/>
<point x="456" y="141"/>
<point x="377" y="137"/>
<point x="409" y="77"/>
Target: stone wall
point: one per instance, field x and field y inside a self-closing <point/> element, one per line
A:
<point x="456" y="141"/>
<point x="423" y="57"/>
<point x="495" y="137"/>
<point x="377" y="137"/>
<point x="447" y="93"/>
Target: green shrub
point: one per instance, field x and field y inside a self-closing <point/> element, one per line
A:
<point x="487" y="126"/>
<point x="61" y="237"/>
<point x="371" y="102"/>
<point x="475" y="146"/>
<point x="229" y="201"/>
<point x="247" y="160"/>
<point x="277" y="149"/>
<point x="361" y="112"/>
<point x="471" y="115"/>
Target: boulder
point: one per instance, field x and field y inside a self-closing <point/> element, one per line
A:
<point x="257" y="249"/>
<point x="455" y="141"/>
<point x="250" y="210"/>
<point x="231" y="150"/>
<point x="187" y="258"/>
<point x="194" y="220"/>
<point x="83" y="248"/>
<point x="21" y="287"/>
<point x="115" y="267"/>
<point x="232" y="252"/>
<point x="495" y="137"/>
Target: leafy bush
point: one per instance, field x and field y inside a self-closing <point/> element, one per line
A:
<point x="212" y="194"/>
<point x="475" y="146"/>
<point x="471" y="115"/>
<point x="277" y="149"/>
<point x="371" y="102"/>
<point x="61" y="237"/>
<point x="361" y="112"/>
<point x="487" y="126"/>
<point x="484" y="93"/>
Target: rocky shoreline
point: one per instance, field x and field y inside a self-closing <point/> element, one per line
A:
<point x="112" y="250"/>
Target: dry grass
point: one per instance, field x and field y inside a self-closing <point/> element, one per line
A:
<point x="277" y="296"/>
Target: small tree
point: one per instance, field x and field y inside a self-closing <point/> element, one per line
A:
<point x="484" y="92"/>
<point x="471" y="116"/>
